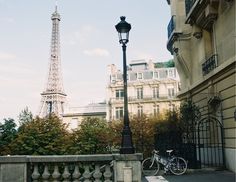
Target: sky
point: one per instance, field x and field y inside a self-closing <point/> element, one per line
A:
<point x="89" y="43"/>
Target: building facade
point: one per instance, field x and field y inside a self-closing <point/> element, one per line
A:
<point x="151" y="90"/>
<point x="201" y="37"/>
<point x="73" y="116"/>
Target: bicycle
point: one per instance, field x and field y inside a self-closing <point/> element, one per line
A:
<point x="151" y="165"/>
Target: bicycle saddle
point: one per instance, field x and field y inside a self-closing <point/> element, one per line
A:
<point x="169" y="151"/>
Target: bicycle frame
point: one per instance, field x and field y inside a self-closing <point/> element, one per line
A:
<point x="171" y="163"/>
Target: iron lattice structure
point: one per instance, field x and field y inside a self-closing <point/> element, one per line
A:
<point x="53" y="96"/>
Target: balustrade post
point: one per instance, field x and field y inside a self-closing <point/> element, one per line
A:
<point x="45" y="174"/>
<point x="107" y="174"/>
<point x="97" y="174"/>
<point x="35" y="175"/>
<point x="76" y="174"/>
<point x="56" y="174"/>
<point x="87" y="175"/>
<point x="66" y="174"/>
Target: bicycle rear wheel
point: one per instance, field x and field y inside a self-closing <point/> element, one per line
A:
<point x="150" y="167"/>
<point x="178" y="166"/>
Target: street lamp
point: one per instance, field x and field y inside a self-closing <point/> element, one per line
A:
<point x="123" y="29"/>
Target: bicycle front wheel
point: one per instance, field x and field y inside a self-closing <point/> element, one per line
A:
<point x="150" y="167"/>
<point x="178" y="166"/>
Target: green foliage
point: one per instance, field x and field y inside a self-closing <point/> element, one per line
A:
<point x="143" y="129"/>
<point x="7" y="135"/>
<point x="167" y="64"/>
<point x="24" y="117"/>
<point x="189" y="112"/>
<point x="47" y="136"/>
<point x="143" y="132"/>
<point x="169" y="132"/>
<point x="94" y="136"/>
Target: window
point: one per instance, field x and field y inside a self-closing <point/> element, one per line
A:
<point x="119" y="94"/>
<point x="133" y="76"/>
<point x="172" y="73"/>
<point x="140" y="111"/>
<point x="139" y="93"/>
<point x="163" y="73"/>
<point x="113" y="78"/>
<point x="140" y="76"/>
<point x="156" y="74"/>
<point x="171" y="92"/>
<point x="156" y="110"/>
<point x="119" y="112"/>
<point x="155" y="91"/>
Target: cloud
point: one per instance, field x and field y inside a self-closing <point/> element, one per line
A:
<point x="82" y="36"/>
<point x="97" y="52"/>
<point x="143" y="55"/>
<point x="7" y="56"/>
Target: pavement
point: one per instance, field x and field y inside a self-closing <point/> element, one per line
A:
<point x="194" y="176"/>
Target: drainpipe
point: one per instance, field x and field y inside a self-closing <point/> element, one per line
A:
<point x="214" y="43"/>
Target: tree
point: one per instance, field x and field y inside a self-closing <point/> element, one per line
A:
<point x="24" y="117"/>
<point x="93" y="136"/>
<point x="42" y="136"/>
<point x="169" y="132"/>
<point x="7" y="135"/>
<point x="143" y="132"/>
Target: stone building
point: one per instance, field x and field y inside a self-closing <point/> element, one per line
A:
<point x="73" y="116"/>
<point x="201" y="37"/>
<point x="151" y="89"/>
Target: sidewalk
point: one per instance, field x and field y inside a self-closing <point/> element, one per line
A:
<point x="202" y="176"/>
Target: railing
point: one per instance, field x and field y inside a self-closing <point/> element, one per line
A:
<point x="173" y="33"/>
<point x="203" y="13"/>
<point x="171" y="26"/>
<point x="68" y="168"/>
<point x="209" y="65"/>
<point x="71" y="168"/>
<point x="144" y="98"/>
<point x="188" y="5"/>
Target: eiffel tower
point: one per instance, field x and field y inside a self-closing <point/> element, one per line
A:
<point x="53" y="96"/>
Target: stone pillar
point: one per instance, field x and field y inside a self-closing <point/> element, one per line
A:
<point x="13" y="169"/>
<point x="127" y="167"/>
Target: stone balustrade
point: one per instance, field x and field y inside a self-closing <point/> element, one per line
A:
<point x="71" y="168"/>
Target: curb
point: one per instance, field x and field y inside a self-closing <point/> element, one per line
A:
<point x="189" y="171"/>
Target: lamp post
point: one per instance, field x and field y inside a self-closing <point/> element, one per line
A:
<point x="123" y="29"/>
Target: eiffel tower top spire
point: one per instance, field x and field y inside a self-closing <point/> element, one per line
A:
<point x="53" y="96"/>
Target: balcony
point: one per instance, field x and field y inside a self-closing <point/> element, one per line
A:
<point x="172" y="33"/>
<point x="209" y="65"/>
<point x="142" y="99"/>
<point x="103" y="167"/>
<point x="202" y="13"/>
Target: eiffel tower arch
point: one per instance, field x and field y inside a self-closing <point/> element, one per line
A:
<point x="53" y="97"/>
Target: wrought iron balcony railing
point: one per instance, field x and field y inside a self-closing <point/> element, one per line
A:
<point x="209" y="65"/>
<point x="172" y="33"/>
<point x="171" y="26"/>
<point x="202" y="13"/>
<point x="188" y="5"/>
<point x="143" y="98"/>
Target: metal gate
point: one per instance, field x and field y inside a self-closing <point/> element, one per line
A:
<point x="210" y="143"/>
